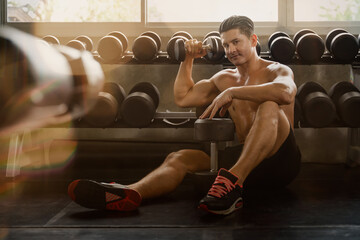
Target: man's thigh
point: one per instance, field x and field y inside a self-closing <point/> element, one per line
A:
<point x="275" y="171"/>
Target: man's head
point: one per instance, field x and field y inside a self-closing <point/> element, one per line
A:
<point x="244" y="24"/>
<point x="238" y="39"/>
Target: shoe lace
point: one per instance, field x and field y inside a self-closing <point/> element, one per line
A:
<point x="220" y="187"/>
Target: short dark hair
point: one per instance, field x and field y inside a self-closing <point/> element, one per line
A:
<point x="243" y="23"/>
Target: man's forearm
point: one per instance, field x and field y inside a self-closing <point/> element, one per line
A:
<point x="276" y="92"/>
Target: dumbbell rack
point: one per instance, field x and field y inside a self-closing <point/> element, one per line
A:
<point x="163" y="58"/>
<point x="166" y="127"/>
<point x="353" y="150"/>
<point x="158" y="132"/>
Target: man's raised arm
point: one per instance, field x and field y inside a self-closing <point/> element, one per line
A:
<point x="186" y="92"/>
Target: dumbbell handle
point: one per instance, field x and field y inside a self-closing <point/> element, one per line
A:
<point x="208" y="47"/>
<point x="180" y="50"/>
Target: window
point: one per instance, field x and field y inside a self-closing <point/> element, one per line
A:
<point x="211" y="11"/>
<point x="74" y="11"/>
<point x="326" y="10"/>
<point x="99" y="17"/>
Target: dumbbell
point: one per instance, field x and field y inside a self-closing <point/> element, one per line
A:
<point x="346" y="97"/>
<point x="220" y="55"/>
<point x="146" y="46"/>
<point x="107" y="107"/>
<point x="182" y="34"/>
<point x="282" y="48"/>
<point x="309" y="46"/>
<point x="81" y="43"/>
<point x="112" y="47"/>
<point x="211" y="44"/>
<point x="51" y="39"/>
<point x="342" y="45"/>
<point x="212" y="34"/>
<point x="318" y="110"/>
<point x="214" y="55"/>
<point x="214" y="131"/>
<point x="139" y="107"/>
<point x="52" y="81"/>
<point x="170" y="48"/>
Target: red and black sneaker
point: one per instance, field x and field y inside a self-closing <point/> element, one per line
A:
<point x="110" y="196"/>
<point x="225" y="196"/>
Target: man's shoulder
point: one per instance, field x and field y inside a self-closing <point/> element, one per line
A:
<point x="228" y="72"/>
<point x="276" y="66"/>
<point x="225" y="73"/>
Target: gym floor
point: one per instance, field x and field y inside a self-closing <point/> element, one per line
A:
<point x="322" y="203"/>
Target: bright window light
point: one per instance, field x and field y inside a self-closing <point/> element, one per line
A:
<point x="211" y="10"/>
<point x="73" y="11"/>
<point x="327" y="10"/>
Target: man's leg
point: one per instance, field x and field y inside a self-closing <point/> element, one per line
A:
<point x="270" y="129"/>
<point x="170" y="174"/>
<point x="164" y="179"/>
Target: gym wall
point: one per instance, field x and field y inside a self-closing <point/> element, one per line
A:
<point x="313" y="142"/>
<point x="163" y="77"/>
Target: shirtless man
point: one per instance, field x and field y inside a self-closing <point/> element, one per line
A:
<point x="258" y="94"/>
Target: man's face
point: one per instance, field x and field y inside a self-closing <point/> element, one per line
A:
<point x="238" y="47"/>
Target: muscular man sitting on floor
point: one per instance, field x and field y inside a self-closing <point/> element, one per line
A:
<point x="259" y="96"/>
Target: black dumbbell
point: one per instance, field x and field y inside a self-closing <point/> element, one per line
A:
<point x="170" y="48"/>
<point x="146" y="46"/>
<point x="220" y="55"/>
<point x="318" y="110"/>
<point x="212" y="34"/>
<point x="346" y="97"/>
<point x="107" y="107"/>
<point x="309" y="46"/>
<point x="139" y="107"/>
<point x="182" y="34"/>
<point x="282" y="48"/>
<point x="217" y="53"/>
<point x="81" y="43"/>
<point x="51" y="40"/>
<point x="342" y="45"/>
<point x="112" y="47"/>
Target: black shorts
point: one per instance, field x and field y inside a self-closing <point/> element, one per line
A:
<point x="276" y="171"/>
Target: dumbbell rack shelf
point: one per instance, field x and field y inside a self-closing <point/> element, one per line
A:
<point x="162" y="130"/>
<point x="163" y="58"/>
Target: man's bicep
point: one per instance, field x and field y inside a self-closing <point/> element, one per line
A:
<point x="202" y="93"/>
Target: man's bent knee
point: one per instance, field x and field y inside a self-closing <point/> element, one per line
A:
<point x="269" y="107"/>
<point x="190" y="160"/>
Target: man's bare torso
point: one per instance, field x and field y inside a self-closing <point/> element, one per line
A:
<point x="243" y="112"/>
